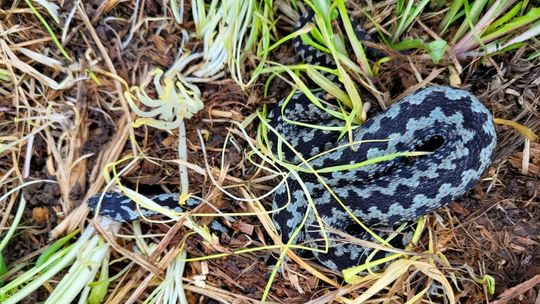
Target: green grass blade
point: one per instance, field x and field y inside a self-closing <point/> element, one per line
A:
<point x="471" y="15"/>
<point x="368" y="162"/>
<point x="3" y="268"/>
<point x="531" y="16"/>
<point x="409" y="44"/>
<point x="399" y="6"/>
<point x="507" y="17"/>
<point x="353" y="39"/>
<point x="101" y="287"/>
<point x="407" y="18"/>
<point x="52" y="249"/>
<point x="450" y="16"/>
<point x="402" y="20"/>
<point x="49" y="29"/>
<point x="417" y="10"/>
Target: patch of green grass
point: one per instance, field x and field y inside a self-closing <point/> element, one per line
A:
<point x="406" y="13"/>
<point x="486" y="28"/>
<point x="493" y="27"/>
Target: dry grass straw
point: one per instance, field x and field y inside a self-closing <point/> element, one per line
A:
<point x="50" y="104"/>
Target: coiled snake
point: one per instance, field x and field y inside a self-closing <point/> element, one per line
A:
<point x="449" y="122"/>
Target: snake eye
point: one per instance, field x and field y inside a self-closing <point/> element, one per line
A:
<point x="431" y="144"/>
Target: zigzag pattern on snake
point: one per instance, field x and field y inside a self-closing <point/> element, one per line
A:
<point x="451" y="123"/>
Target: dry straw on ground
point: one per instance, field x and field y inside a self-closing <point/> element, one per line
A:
<point x="65" y="120"/>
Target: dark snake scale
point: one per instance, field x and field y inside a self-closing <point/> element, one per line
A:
<point x="451" y="123"/>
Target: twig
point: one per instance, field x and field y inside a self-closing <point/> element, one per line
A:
<point x="515" y="291"/>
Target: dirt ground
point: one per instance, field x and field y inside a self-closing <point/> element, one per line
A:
<point x="494" y="229"/>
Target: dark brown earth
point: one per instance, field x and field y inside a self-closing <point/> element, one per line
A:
<point x="494" y="229"/>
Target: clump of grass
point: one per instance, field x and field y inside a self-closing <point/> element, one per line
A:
<point x="406" y="12"/>
<point x="85" y="257"/>
<point x="236" y="46"/>
<point x="487" y="28"/>
<point x="495" y="30"/>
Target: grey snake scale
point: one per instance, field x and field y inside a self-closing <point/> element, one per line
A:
<point x="450" y="123"/>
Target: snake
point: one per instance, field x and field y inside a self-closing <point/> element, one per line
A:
<point x="454" y="129"/>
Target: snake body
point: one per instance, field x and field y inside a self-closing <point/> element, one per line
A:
<point x="450" y="123"/>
